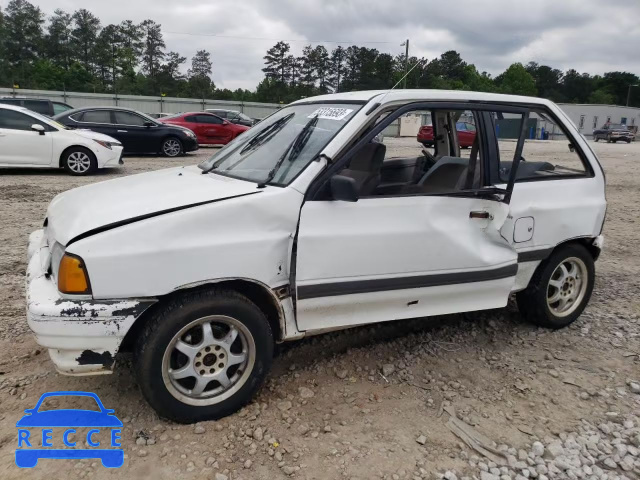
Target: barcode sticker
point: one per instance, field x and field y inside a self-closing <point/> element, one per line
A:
<point x="332" y="113"/>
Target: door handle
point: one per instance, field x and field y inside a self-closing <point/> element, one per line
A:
<point x="479" y="214"/>
<point x="122" y="131"/>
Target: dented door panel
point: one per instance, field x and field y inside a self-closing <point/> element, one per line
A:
<point x="387" y="258"/>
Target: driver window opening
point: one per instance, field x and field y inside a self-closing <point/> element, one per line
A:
<point x="420" y="153"/>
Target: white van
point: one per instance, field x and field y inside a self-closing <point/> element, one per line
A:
<point x="306" y="224"/>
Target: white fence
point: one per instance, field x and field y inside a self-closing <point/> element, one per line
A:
<point x="144" y="104"/>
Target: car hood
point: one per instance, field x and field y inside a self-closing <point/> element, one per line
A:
<point x="105" y="205"/>
<point x="90" y="134"/>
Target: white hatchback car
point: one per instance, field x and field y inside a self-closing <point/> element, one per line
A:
<point x="309" y="224"/>
<point x="28" y="139"/>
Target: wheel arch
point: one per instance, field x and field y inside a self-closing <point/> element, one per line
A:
<point x="587" y="242"/>
<point x="71" y="147"/>
<point x="260" y="294"/>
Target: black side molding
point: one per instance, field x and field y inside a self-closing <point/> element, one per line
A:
<point x="402" y="283"/>
<point x="534" y="255"/>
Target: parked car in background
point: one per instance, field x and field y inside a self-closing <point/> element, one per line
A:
<point x="233" y="116"/>
<point x="209" y="128"/>
<point x="28" y="139"/>
<point x="160" y="114"/>
<point x="43" y="106"/>
<point x="137" y="132"/>
<point x="305" y="224"/>
<point x="466" y="134"/>
<point x="613" y="132"/>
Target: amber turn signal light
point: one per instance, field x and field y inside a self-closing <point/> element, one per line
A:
<point x="72" y="276"/>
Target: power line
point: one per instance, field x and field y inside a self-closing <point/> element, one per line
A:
<point x="236" y="37"/>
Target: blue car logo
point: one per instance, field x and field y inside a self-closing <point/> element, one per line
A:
<point x="31" y="447"/>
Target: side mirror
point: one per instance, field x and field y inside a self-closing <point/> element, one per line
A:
<point x="225" y="122"/>
<point x="344" y="188"/>
<point x="148" y="124"/>
<point x="572" y="148"/>
<point x="38" y="128"/>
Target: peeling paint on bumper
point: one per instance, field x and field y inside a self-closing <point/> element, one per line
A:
<point x="82" y="336"/>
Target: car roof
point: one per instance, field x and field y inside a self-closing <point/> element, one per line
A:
<point x="14" y="107"/>
<point x="83" y="109"/>
<point x="424" y="95"/>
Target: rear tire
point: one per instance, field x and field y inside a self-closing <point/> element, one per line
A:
<point x="596" y="138"/>
<point x="184" y="387"/>
<point x="79" y="161"/>
<point x="560" y="288"/>
<point x="172" y="147"/>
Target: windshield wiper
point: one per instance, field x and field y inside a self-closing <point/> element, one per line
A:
<point x="293" y="150"/>
<point x="267" y="133"/>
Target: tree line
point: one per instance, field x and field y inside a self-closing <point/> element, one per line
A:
<point x="74" y="51"/>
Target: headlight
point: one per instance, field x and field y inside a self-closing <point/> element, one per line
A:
<point x="107" y="144"/>
<point x="189" y="133"/>
<point x="72" y="276"/>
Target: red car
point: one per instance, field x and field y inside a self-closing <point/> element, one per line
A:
<point x="466" y="134"/>
<point x="209" y="129"/>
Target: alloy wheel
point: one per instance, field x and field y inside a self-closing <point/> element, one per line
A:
<point x="79" y="162"/>
<point x="171" y="148"/>
<point x="567" y="287"/>
<point x="208" y="360"/>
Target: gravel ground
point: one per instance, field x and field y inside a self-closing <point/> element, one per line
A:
<point x="373" y="402"/>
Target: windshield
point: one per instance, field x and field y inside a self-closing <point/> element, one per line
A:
<point x="244" y="117"/>
<point x="281" y="146"/>
<point x="617" y="126"/>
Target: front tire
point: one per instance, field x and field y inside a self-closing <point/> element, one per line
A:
<point x="79" y="161"/>
<point x="172" y="147"/>
<point x="203" y="355"/>
<point x="560" y="288"/>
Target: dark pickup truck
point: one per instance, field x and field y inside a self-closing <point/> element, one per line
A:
<point x="612" y="132"/>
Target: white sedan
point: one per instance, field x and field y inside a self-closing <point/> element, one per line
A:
<point x="28" y="139"/>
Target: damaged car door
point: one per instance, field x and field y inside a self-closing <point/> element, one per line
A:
<point x="418" y="252"/>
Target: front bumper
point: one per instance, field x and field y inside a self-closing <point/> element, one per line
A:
<point x="191" y="144"/>
<point x="82" y="336"/>
<point x="110" y="158"/>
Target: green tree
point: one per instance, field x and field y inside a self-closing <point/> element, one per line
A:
<point x="23" y="38"/>
<point x="152" y="52"/>
<point x="131" y="36"/>
<point x="617" y="84"/>
<point x="84" y="36"/>
<point x="576" y="87"/>
<point x="58" y="39"/>
<point x="601" y="97"/>
<point x="517" y="81"/>
<point x="336" y="68"/>
<point x="547" y="80"/>
<point x="276" y="62"/>
<point x="200" y="74"/>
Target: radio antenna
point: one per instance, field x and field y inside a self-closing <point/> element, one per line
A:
<point x="379" y="102"/>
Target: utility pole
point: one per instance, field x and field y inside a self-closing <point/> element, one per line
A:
<point x="406" y="61"/>
<point x="629" y="93"/>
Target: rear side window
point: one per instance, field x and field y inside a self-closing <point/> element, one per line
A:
<point x="96" y="116"/>
<point x="60" y="107"/>
<point x="547" y="153"/>
<point x="12" y="120"/>
<point x="210" y="119"/>
<point x="127" y="118"/>
<point x="40" y="106"/>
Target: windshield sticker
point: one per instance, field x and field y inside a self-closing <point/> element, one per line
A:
<point x="331" y="113"/>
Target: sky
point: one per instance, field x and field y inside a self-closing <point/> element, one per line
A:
<point x="592" y="36"/>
